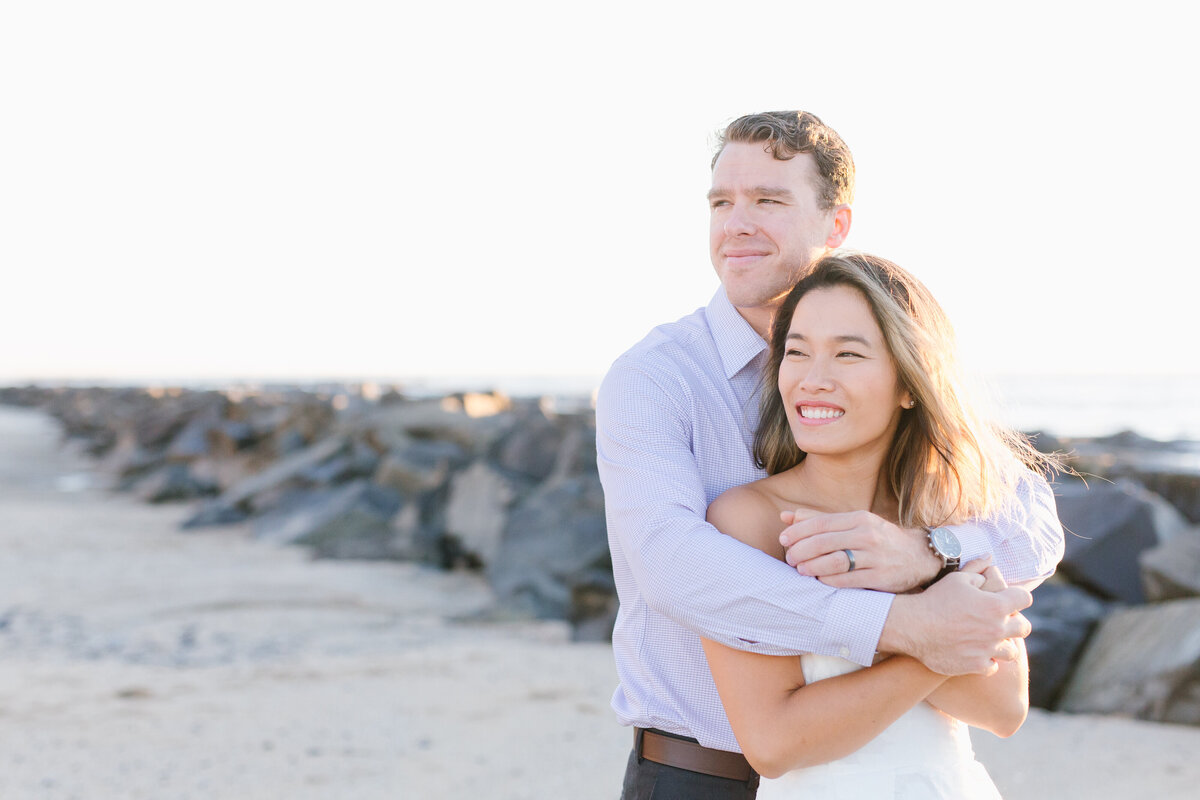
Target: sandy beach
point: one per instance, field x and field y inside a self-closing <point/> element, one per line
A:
<point x="139" y="661"/>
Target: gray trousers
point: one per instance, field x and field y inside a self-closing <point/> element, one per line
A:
<point x="646" y="780"/>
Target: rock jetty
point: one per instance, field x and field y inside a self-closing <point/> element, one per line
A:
<point x="508" y="486"/>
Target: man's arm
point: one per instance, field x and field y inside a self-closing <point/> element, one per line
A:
<point x="724" y="590"/>
<point x="998" y="703"/>
<point x="1025" y="542"/>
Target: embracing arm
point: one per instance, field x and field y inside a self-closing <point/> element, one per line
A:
<point x="655" y="503"/>
<point x="782" y="724"/>
<point x="999" y="702"/>
<point x="1026" y="543"/>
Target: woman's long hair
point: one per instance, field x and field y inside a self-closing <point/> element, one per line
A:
<point x="945" y="463"/>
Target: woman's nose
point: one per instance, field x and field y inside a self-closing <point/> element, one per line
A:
<point x="816" y="377"/>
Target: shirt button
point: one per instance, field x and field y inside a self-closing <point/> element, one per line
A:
<point x="845" y="651"/>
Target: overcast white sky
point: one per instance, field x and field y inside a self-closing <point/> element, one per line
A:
<point x="300" y="189"/>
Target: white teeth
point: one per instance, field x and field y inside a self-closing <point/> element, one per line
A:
<point x="820" y="412"/>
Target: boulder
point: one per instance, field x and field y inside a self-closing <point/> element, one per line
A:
<point x="1144" y="663"/>
<point x="530" y="449"/>
<point x="243" y="498"/>
<point x="476" y="511"/>
<point x="174" y="482"/>
<point x="419" y="530"/>
<point x="419" y="465"/>
<point x="467" y="421"/>
<point x="351" y="521"/>
<point x="554" y="541"/>
<point x="192" y="441"/>
<point x="1107" y="526"/>
<point x="1063" y="617"/>
<point x="1171" y="571"/>
<point x="1181" y="490"/>
<point x="1169" y="469"/>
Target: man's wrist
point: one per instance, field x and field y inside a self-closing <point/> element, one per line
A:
<point x="894" y="637"/>
<point x="946" y="550"/>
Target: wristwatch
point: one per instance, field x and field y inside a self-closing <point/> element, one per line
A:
<point x="945" y="545"/>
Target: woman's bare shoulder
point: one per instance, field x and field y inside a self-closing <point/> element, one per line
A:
<point x="750" y="513"/>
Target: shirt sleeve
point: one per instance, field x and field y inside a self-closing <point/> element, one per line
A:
<point x="1025" y="542"/>
<point x="686" y="569"/>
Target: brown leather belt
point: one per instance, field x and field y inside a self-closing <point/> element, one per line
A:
<point x="663" y="749"/>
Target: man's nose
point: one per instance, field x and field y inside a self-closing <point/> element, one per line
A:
<point x="738" y="223"/>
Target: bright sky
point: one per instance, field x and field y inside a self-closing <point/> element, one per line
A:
<point x="379" y="189"/>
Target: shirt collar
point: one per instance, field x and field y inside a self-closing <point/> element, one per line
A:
<point x="737" y="343"/>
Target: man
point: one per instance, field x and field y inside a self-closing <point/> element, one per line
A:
<point x="675" y="418"/>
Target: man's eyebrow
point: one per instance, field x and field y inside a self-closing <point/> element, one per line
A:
<point x="758" y="191"/>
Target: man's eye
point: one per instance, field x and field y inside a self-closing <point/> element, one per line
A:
<point x="719" y="203"/>
<point x="768" y="200"/>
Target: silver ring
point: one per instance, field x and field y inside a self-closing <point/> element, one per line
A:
<point x="850" y="555"/>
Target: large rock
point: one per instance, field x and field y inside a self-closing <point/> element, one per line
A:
<point x="531" y="448"/>
<point x="1107" y="526"/>
<point x="476" y="511"/>
<point x="1063" y="616"/>
<point x="1169" y="469"/>
<point x="554" y="541"/>
<point x="419" y="531"/>
<point x="1142" y="662"/>
<point x="419" y="465"/>
<point x="244" y="498"/>
<point x="174" y="482"/>
<point x="473" y="422"/>
<point x="1171" y="571"/>
<point x="351" y="521"/>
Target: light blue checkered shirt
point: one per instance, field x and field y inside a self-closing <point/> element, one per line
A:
<point x="674" y="422"/>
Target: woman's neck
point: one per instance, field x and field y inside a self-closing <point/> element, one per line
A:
<point x="839" y="484"/>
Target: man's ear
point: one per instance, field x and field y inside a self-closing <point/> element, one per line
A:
<point x="841" y="227"/>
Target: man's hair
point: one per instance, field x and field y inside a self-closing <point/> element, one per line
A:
<point x="945" y="463"/>
<point x="784" y="134"/>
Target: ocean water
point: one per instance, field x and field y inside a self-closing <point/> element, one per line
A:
<point x="1159" y="407"/>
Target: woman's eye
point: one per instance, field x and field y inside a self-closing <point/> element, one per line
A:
<point x="793" y="353"/>
<point x="849" y="354"/>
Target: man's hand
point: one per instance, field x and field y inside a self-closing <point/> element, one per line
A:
<point x="962" y="625"/>
<point x="886" y="557"/>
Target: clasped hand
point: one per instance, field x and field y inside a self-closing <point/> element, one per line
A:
<point x="886" y="557"/>
<point x="964" y="624"/>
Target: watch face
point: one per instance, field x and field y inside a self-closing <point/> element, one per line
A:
<point x="946" y="543"/>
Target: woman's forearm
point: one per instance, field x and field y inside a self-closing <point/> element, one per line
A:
<point x="998" y="703"/>
<point x="783" y="724"/>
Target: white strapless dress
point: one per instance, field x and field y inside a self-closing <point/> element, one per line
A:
<point x="924" y="755"/>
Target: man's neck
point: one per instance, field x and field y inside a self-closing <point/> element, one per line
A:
<point x="758" y="317"/>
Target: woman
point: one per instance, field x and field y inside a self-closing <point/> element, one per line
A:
<point x="866" y="414"/>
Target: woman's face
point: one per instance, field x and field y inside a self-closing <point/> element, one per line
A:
<point x="837" y="379"/>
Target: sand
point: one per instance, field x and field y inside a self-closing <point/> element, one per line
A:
<point x="140" y="661"/>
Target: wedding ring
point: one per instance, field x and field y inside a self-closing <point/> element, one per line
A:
<point x="850" y="555"/>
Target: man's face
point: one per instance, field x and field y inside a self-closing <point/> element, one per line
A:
<point x="766" y="225"/>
